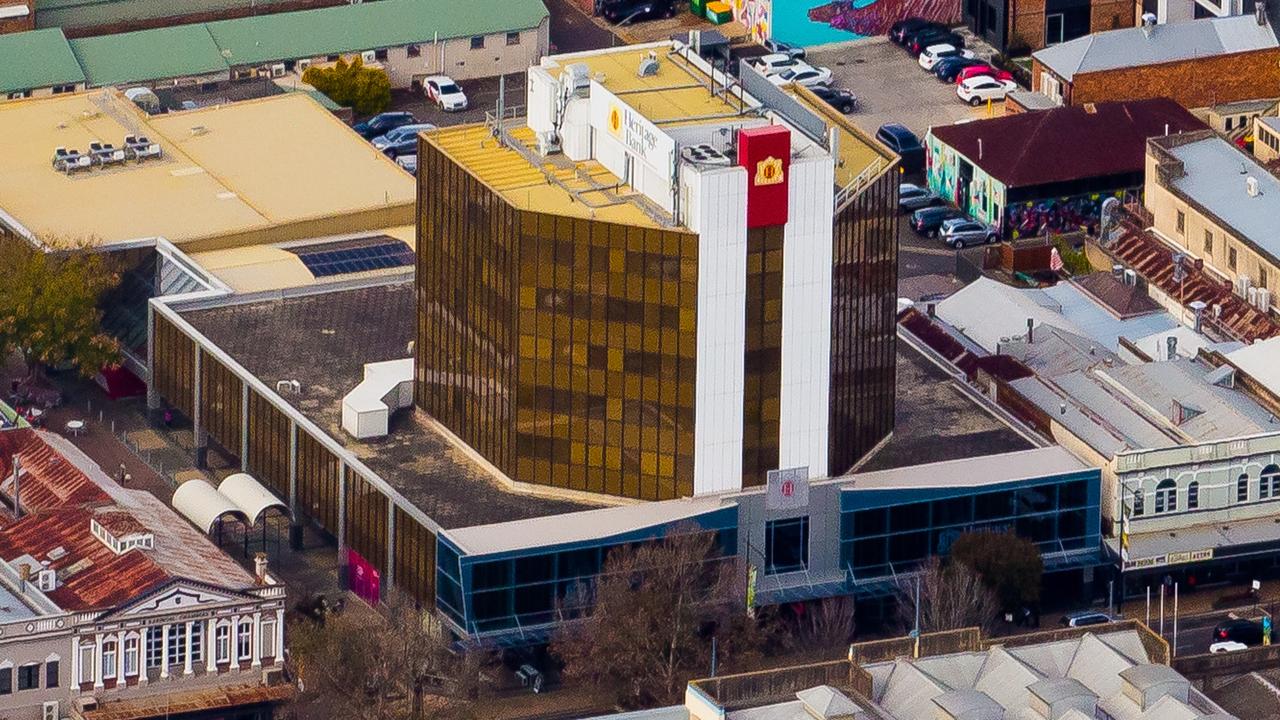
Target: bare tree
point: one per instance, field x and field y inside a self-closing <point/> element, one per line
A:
<point x="827" y="624"/>
<point x="657" y="607"/>
<point x="951" y="596"/>
<point x="394" y="663"/>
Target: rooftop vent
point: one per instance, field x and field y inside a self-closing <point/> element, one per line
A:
<point x="648" y="65"/>
<point x="704" y="154"/>
<point x="197" y="130"/>
<point x="284" y="386"/>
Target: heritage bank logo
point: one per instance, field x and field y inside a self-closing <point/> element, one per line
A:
<point x="769" y="171"/>
<point x="632" y="130"/>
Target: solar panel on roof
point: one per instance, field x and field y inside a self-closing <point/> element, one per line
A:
<point x="323" y="263"/>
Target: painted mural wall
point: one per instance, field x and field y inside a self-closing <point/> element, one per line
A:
<point x="756" y="16"/>
<point x="808" y="22"/>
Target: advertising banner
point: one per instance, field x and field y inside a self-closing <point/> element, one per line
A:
<point x="642" y="139"/>
<point x="366" y="582"/>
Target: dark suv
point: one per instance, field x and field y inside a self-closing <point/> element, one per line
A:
<point x="905" y="143"/>
<point x="927" y="221"/>
<point x="902" y="30"/>
<point x="1241" y="631"/>
<point x="934" y="36"/>
<point x="383" y="123"/>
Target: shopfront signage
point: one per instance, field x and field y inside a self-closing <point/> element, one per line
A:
<point x="787" y="489"/>
<point x="1178" y="558"/>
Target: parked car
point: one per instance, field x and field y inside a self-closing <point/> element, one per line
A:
<point x="960" y="233"/>
<point x="1084" y="618"/>
<point x="802" y="74"/>
<point x="409" y="163"/>
<point x="842" y="100"/>
<point x="443" y="91"/>
<point x="914" y="197"/>
<point x="780" y="48"/>
<point x="402" y="140"/>
<point x="909" y="36"/>
<point x="1246" y="632"/>
<point x="927" y="221"/>
<point x="981" y="69"/>
<point x="948" y="68"/>
<point x="1227" y="646"/>
<point x="923" y="40"/>
<point x="977" y="90"/>
<point x="898" y="31"/>
<point x="905" y="143"/>
<point x="775" y="63"/>
<point x="934" y="53"/>
<point x="382" y="124"/>
<point x="626" y="11"/>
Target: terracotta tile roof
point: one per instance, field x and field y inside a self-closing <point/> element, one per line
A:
<point x="175" y="703"/>
<point x="1067" y="143"/>
<point x="1151" y="258"/>
<point x="61" y="491"/>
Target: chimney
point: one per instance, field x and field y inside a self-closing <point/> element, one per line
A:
<point x="260" y="569"/>
<point x="1171" y="343"/>
<point x="24" y="574"/>
<point x="17" y="495"/>
<point x="1031" y="325"/>
<point x="1198" y="307"/>
<point x="1148" y="23"/>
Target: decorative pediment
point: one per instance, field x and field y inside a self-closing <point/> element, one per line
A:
<point x="178" y="597"/>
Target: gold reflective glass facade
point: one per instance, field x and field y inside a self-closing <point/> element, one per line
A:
<point x="762" y="370"/>
<point x="560" y="348"/>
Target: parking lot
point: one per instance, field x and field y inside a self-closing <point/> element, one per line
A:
<point x="891" y="87"/>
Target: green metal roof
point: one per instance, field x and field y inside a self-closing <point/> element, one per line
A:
<point x="37" y="59"/>
<point x="179" y="51"/>
<point x="368" y="26"/>
<point x="72" y="14"/>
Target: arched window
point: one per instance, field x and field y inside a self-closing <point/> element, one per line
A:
<point x="1242" y="488"/>
<point x="1270" y="480"/>
<point x="1193" y="495"/>
<point x="1166" y="496"/>
<point x="1138" y="503"/>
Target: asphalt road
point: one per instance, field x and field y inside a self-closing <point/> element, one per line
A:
<point x="1195" y="634"/>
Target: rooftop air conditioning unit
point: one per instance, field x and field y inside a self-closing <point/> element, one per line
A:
<point x="1264" y="300"/>
<point x="576" y="78"/>
<point x="369" y="56"/>
<point x="1251" y="186"/>
<point x="1252" y="296"/>
<point x="47" y="580"/>
<point x="301" y="65"/>
<point x="277" y="70"/>
<point x="1243" y="283"/>
<point x="548" y="143"/>
<point x="704" y="154"/>
<point x="1130" y="277"/>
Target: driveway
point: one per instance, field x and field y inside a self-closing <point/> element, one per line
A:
<point x="482" y="97"/>
<point x="892" y="87"/>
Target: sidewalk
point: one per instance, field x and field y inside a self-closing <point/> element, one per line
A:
<point x="1215" y="600"/>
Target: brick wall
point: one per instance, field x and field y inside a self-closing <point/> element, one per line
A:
<point x="1192" y="83"/>
<point x="1026" y="19"/>
<point x="21" y="24"/>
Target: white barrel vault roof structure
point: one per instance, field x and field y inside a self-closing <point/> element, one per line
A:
<point x="203" y="505"/>
<point x="250" y="497"/>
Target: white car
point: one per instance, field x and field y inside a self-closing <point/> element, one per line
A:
<point x="934" y="53"/>
<point x="1227" y="646"/>
<point x="775" y="63"/>
<point x="977" y="90"/>
<point x="409" y="163"/>
<point x="443" y="91"/>
<point x="802" y="74"/>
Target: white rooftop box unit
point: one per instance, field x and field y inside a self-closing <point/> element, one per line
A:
<point x="387" y="387"/>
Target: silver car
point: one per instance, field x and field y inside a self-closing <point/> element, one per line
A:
<point x="913" y="197"/>
<point x="962" y="232"/>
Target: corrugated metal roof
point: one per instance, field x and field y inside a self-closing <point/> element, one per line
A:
<point x="62" y="490"/>
<point x="1215" y="178"/>
<point x="368" y="26"/>
<point x="37" y="59"/>
<point x="180" y="51"/>
<point x="1216" y="413"/>
<point x="1132" y="47"/>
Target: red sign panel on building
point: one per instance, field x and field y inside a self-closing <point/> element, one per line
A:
<point x="365" y="580"/>
<point x="765" y="153"/>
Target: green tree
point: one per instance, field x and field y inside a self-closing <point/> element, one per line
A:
<point x="49" y="311"/>
<point x="656" y="608"/>
<point x="1008" y="564"/>
<point x="366" y="90"/>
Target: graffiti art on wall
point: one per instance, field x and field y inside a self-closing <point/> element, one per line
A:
<point x="1068" y="214"/>
<point x="756" y="16"/>
<point x="875" y="18"/>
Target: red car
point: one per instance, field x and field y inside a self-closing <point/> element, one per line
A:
<point x="979" y="70"/>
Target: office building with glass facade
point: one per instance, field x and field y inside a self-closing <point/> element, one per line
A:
<point x="857" y="535"/>
<point x="655" y="287"/>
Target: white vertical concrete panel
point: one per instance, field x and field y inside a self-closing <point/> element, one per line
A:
<point x="719" y="197"/>
<point x="806" y="317"/>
